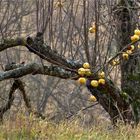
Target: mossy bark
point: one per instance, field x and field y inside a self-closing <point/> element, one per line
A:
<point x="127" y="20"/>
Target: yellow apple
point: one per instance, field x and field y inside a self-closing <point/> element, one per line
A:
<point x="86" y="65"/>
<point x="92" y="98"/>
<point x="132" y="47"/>
<point x="125" y="56"/>
<point x="94" y="83"/>
<point x="92" y="30"/>
<point x="129" y="52"/>
<point x="82" y="80"/>
<point x="81" y="71"/>
<point x="101" y="74"/>
<point x="115" y="62"/>
<point x="134" y="38"/>
<point x="101" y="81"/>
<point x="137" y="32"/>
<point x="87" y="72"/>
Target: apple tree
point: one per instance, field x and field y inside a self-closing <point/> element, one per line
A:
<point x="97" y="45"/>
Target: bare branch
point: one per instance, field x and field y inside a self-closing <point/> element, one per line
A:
<point x="42" y="50"/>
<point x="8" y="105"/>
<point x="9" y="43"/>
<point x="35" y="68"/>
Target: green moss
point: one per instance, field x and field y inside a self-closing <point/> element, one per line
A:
<point x="134" y="77"/>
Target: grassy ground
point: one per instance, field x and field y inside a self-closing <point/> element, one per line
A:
<point x="34" y="129"/>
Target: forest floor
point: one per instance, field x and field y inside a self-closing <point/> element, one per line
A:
<point x="29" y="128"/>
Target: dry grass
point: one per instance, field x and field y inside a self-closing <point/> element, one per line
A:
<point x="29" y="128"/>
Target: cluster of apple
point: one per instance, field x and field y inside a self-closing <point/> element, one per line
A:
<point x="85" y="72"/>
<point x="115" y="62"/>
<point x="136" y="35"/>
<point x="130" y="49"/>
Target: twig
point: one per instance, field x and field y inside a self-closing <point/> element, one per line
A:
<point x="68" y="117"/>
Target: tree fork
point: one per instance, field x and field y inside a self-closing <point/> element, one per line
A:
<point x="113" y="101"/>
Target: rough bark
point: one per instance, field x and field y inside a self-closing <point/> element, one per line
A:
<point x="19" y="70"/>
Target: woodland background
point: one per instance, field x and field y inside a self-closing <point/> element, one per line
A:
<point x="64" y="24"/>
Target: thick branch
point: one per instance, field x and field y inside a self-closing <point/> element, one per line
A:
<point x="34" y="68"/>
<point x="9" y="43"/>
<point x="112" y="100"/>
<point x="42" y="50"/>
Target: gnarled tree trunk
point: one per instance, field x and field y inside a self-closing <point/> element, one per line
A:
<point x="125" y="104"/>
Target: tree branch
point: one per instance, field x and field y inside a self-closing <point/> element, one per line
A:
<point x="9" y="43"/>
<point x="19" y="70"/>
<point x="42" y="50"/>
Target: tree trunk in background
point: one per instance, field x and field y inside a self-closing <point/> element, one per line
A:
<point x="130" y="83"/>
<point x="125" y="104"/>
